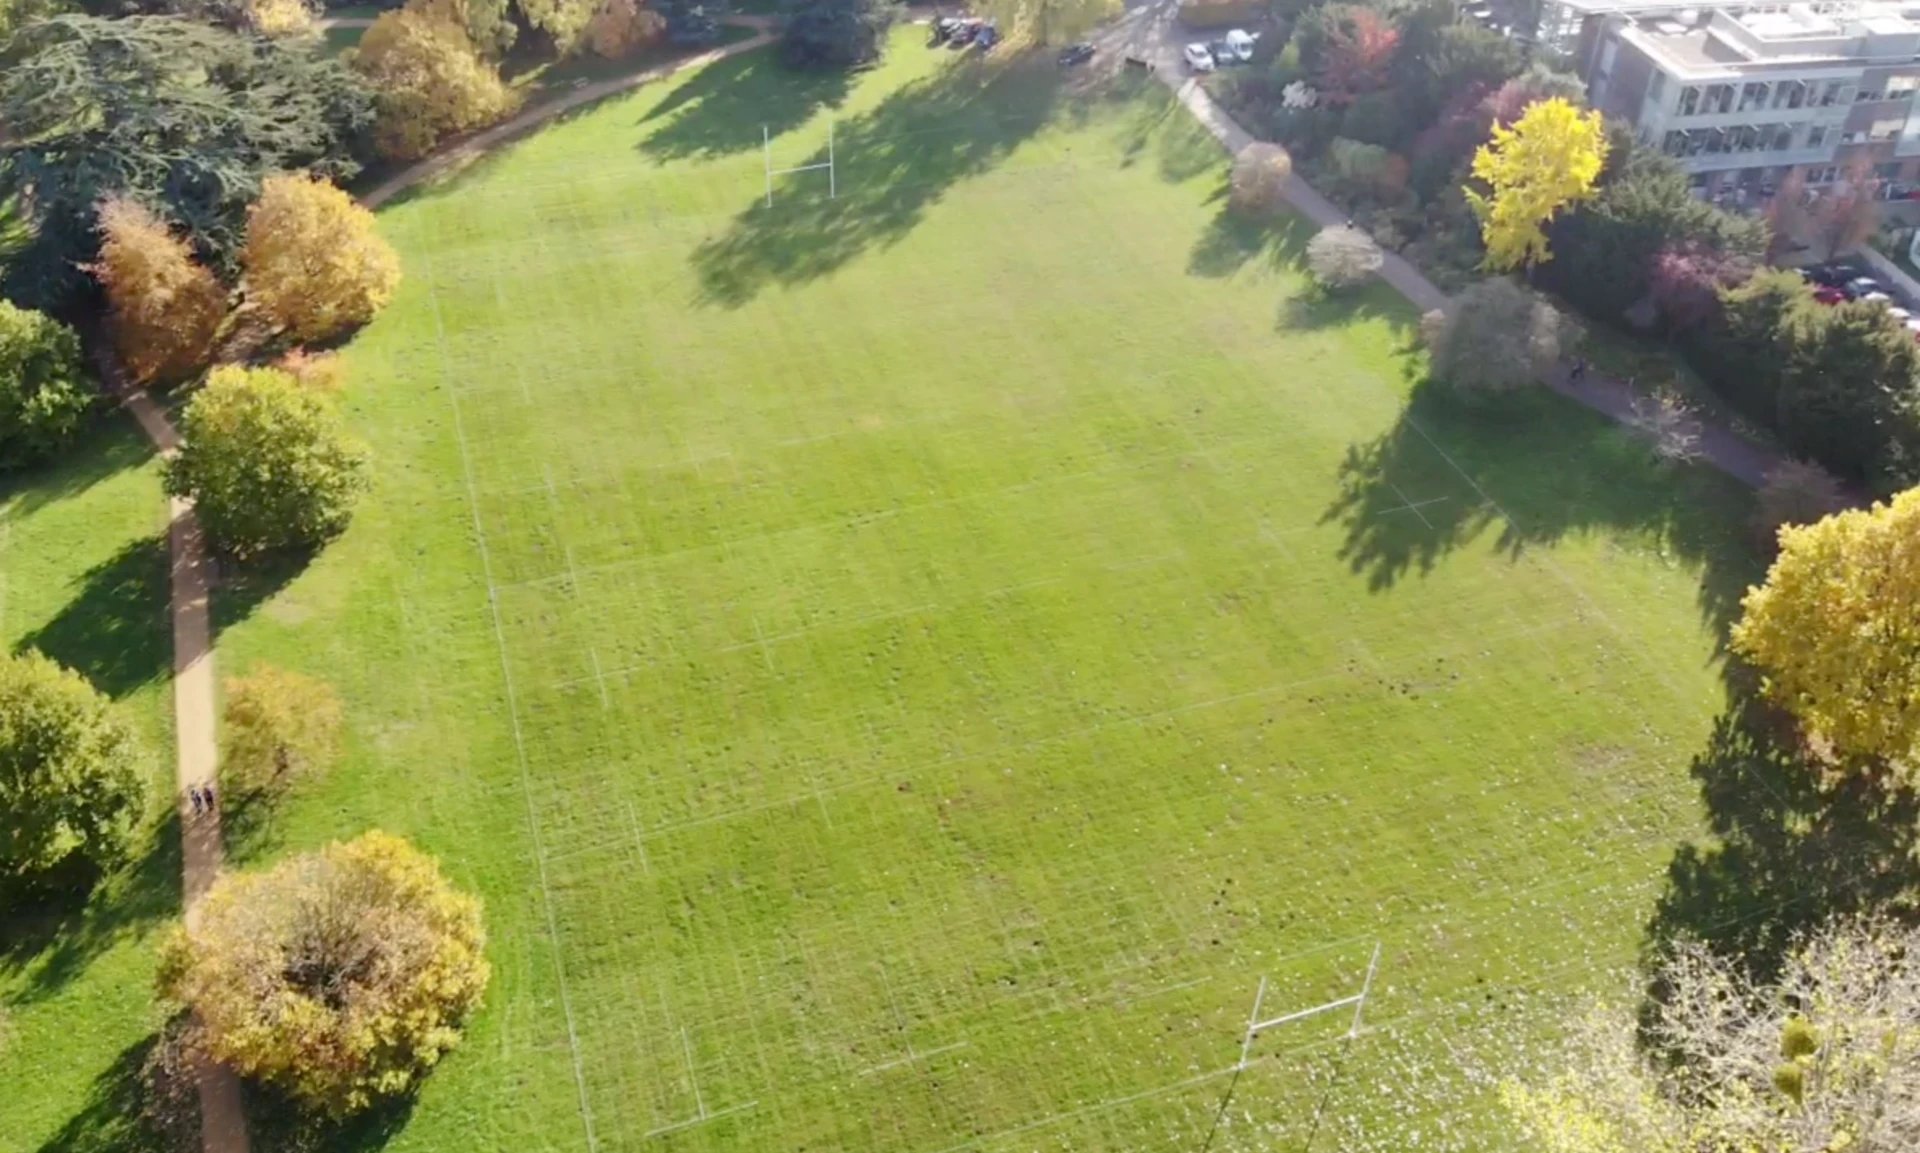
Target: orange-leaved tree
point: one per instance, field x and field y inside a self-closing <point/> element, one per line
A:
<point x="314" y="263"/>
<point x="164" y="307"/>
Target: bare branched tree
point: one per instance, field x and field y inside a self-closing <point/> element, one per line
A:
<point x="1825" y="1057"/>
<point x="1668" y="424"/>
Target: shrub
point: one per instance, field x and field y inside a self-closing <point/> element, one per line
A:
<point x="45" y="397"/>
<point x="267" y="463"/>
<point x="1498" y="337"/>
<point x="1794" y="493"/>
<point x="1259" y="181"/>
<point x="164" y="308"/>
<point x="315" y="265"/>
<point x="429" y="80"/>
<point x="621" y="28"/>
<point x="1342" y="257"/>
<point x="279" y="726"/>
<point x="72" y="776"/>
<point x="1686" y="283"/>
<point x="341" y="976"/>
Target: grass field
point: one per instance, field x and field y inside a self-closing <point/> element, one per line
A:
<point x="903" y="668"/>
<point x="83" y="576"/>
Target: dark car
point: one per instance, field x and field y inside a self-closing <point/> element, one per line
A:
<point x="1076" y="54"/>
<point x="1827" y="275"/>
<point x="1222" y="52"/>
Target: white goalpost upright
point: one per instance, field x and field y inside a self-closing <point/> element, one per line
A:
<point x="1255" y="1026"/>
<point x="833" y="174"/>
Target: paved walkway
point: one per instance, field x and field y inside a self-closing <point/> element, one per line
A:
<point x="223" y="1126"/>
<point x="1148" y="31"/>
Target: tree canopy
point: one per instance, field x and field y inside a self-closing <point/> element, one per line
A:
<point x="430" y="78"/>
<point x="267" y="461"/>
<point x="164" y="307"/>
<point x="1836" y="627"/>
<point x="72" y="776"/>
<point x="45" y="396"/>
<point x="341" y="976"/>
<point x="1824" y="1058"/>
<point x="1548" y="159"/>
<point x="836" y="33"/>
<point x="315" y="264"/>
<point x="182" y="116"/>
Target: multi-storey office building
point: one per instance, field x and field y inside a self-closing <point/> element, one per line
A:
<point x="1744" y="93"/>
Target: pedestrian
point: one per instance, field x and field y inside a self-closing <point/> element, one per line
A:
<point x="193" y="794"/>
<point x="1578" y="370"/>
<point x="206" y="793"/>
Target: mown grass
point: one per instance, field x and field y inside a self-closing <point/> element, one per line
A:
<point x="83" y="577"/>
<point x="902" y="668"/>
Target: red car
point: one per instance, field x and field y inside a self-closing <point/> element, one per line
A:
<point x="1826" y="295"/>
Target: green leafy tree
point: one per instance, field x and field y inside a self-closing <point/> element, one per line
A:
<point x="45" y="397"/>
<point x="268" y="463"/>
<point x="1604" y="247"/>
<point x="72" y="776"/>
<point x="836" y="33"/>
<point x="184" y="117"/>
<point x="341" y="976"/>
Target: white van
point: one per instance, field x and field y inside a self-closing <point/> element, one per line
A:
<point x="1240" y="44"/>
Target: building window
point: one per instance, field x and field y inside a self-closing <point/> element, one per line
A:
<point x="1689" y="100"/>
<point x="1830" y="95"/>
<point x="1886" y="129"/>
<point x="1753" y="96"/>
<point x="1865" y="96"/>
<point x="1890" y="171"/>
<point x="1782" y="137"/>
<point x="1657" y="87"/>
<point x="1826" y="175"/>
<point x="1745" y="138"/>
<point x="1816" y="136"/>
<point x="1789" y="94"/>
<point x="1719" y="98"/>
<point x="1901" y="87"/>
<point x="1674" y="143"/>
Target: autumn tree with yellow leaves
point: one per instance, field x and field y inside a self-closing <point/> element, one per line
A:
<point x="314" y="263"/>
<point x="430" y="78"/>
<point x="340" y="976"/>
<point x="1836" y="627"/>
<point x="1549" y="158"/>
<point x="164" y="307"/>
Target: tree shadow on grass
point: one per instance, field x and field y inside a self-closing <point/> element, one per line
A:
<point x="109" y="1121"/>
<point x="1788" y="848"/>
<point x="895" y="162"/>
<point x="280" y="1125"/>
<point x="1533" y="468"/>
<point x="55" y="931"/>
<point x="113" y="446"/>
<point x="721" y="109"/>
<point x="116" y="632"/>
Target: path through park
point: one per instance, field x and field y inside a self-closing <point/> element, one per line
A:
<point x="1147" y="31"/>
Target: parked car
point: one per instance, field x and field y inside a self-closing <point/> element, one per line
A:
<point x="1198" y="58"/>
<point x="1240" y="45"/>
<point x="1825" y="275"/>
<point x="1222" y="55"/>
<point x="986" y="36"/>
<point x="1076" y="54"/>
<point x="1827" y="294"/>
<point x="1863" y="286"/>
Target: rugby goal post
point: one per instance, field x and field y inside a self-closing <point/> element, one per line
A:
<point x="833" y="175"/>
